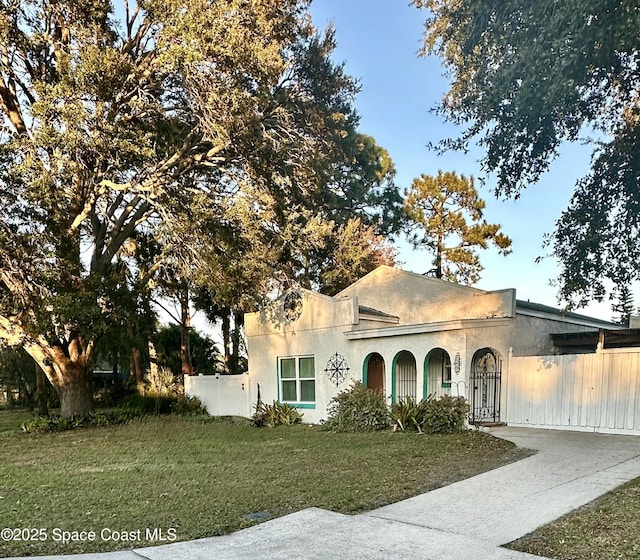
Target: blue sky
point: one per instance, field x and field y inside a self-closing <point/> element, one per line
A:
<point x="378" y="40"/>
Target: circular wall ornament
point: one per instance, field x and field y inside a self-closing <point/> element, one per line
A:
<point x="292" y="306"/>
<point x="337" y="369"/>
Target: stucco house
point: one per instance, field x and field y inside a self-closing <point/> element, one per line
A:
<point x="404" y="334"/>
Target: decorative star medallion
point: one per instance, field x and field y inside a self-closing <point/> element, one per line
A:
<point x="337" y="369"/>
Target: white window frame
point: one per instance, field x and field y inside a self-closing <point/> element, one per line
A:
<point x="297" y="379"/>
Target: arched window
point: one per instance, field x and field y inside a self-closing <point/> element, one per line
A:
<point x="437" y="369"/>
<point x="373" y="372"/>
<point x="404" y="376"/>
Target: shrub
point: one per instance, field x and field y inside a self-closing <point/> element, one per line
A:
<point x="147" y="404"/>
<point x="446" y="415"/>
<point x="185" y="405"/>
<point x="358" y="409"/>
<point x="55" y="423"/>
<point x="276" y="414"/>
<point x="409" y="415"/>
<point x="159" y="382"/>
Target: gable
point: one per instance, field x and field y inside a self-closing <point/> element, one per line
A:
<point x="315" y="311"/>
<point x="417" y="299"/>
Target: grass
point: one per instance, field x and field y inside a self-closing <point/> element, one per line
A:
<point x="201" y="477"/>
<point x="606" y="529"/>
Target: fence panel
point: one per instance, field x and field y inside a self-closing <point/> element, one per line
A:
<point x="223" y="395"/>
<point x="598" y="392"/>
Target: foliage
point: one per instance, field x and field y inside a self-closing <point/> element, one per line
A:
<point x="17" y="371"/>
<point x="141" y="405"/>
<point x="132" y="406"/>
<point x="623" y="306"/>
<point x="276" y="414"/>
<point x="356" y="250"/>
<point x="159" y="382"/>
<point x="445" y="415"/>
<point x="204" y="354"/>
<point x="528" y="76"/>
<point x="96" y="418"/>
<point x="357" y="409"/>
<point x="186" y="405"/>
<point x="197" y="142"/>
<point x="438" y="209"/>
<point x="409" y="415"/>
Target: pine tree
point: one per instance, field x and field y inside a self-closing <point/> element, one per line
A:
<point x="446" y="217"/>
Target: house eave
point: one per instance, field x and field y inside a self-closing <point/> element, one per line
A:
<point x="423" y="328"/>
<point x="582" y="321"/>
<point x="379" y="319"/>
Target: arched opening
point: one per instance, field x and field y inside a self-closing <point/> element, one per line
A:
<point x="373" y="372"/>
<point x="484" y="386"/>
<point x="403" y="376"/>
<point x="437" y="373"/>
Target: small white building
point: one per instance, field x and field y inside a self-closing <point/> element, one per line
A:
<point x="403" y="334"/>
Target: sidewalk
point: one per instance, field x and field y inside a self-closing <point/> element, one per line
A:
<point x="468" y="520"/>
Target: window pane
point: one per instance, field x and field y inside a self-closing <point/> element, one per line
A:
<point x="289" y="391"/>
<point x="307" y="368"/>
<point x="307" y="391"/>
<point x="288" y="368"/>
<point x="446" y="370"/>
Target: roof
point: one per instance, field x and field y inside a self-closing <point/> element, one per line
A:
<point x="589" y="340"/>
<point x="522" y="305"/>
<point x="371" y="311"/>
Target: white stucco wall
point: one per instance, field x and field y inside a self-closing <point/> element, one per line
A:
<point x="419" y="299"/>
<point x="297" y="339"/>
<point x="534" y="334"/>
<point x="430" y="314"/>
<point x="318" y="332"/>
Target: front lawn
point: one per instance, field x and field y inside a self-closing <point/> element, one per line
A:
<point x="194" y="477"/>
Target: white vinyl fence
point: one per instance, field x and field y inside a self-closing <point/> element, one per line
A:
<point x="223" y="395"/>
<point x="591" y="392"/>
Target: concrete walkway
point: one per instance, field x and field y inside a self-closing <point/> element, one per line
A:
<point x="468" y="520"/>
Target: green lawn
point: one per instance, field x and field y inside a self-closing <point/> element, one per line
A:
<point x="606" y="529"/>
<point x="201" y="477"/>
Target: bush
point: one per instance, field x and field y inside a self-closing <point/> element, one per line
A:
<point x="185" y="405"/>
<point x="358" y="409"/>
<point x="446" y="415"/>
<point x="276" y="414"/>
<point x="55" y="423"/>
<point x="159" y="382"/>
<point x="409" y="415"/>
<point x="147" y="404"/>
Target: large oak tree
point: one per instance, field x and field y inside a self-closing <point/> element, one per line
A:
<point x="528" y="76"/>
<point x="137" y="139"/>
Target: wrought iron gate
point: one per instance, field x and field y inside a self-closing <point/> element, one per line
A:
<point x="484" y="382"/>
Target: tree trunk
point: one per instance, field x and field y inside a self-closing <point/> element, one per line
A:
<point x="236" y="337"/>
<point x="136" y="369"/>
<point x="67" y="368"/>
<point x="76" y="398"/>
<point x="225" y="312"/>
<point x="185" y="331"/>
